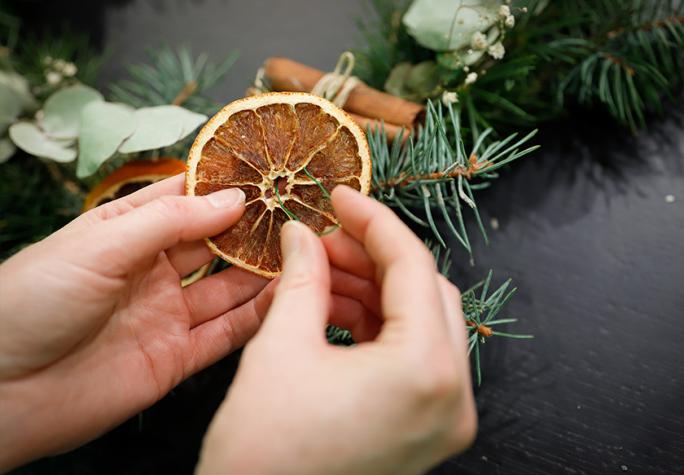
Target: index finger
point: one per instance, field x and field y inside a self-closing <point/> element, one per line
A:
<point x="169" y="186"/>
<point x="405" y="269"/>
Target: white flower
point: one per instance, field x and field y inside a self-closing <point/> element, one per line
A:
<point x="466" y="69"/>
<point x="497" y="50"/>
<point x="478" y="41"/>
<point x="510" y="21"/>
<point x="69" y="69"/>
<point x="59" y="64"/>
<point x="449" y="97"/>
<point x="471" y="78"/>
<point x="53" y="78"/>
<point x="504" y="11"/>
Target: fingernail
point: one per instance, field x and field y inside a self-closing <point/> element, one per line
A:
<point x="329" y="230"/>
<point x="291" y="236"/>
<point x="229" y="198"/>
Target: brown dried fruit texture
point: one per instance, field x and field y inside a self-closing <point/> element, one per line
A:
<point x="265" y="145"/>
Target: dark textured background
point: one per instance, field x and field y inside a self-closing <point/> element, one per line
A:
<point x="585" y="233"/>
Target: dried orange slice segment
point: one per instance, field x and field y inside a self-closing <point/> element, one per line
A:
<point x="130" y="178"/>
<point x="286" y="151"/>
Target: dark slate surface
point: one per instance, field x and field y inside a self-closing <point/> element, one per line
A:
<point x="585" y="232"/>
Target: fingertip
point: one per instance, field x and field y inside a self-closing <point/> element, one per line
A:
<point x="341" y="193"/>
<point x="292" y="234"/>
<point x="229" y="198"/>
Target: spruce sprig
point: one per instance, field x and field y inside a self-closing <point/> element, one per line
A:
<point x="480" y="309"/>
<point x="620" y="55"/>
<point x="432" y="172"/>
<point x="173" y="77"/>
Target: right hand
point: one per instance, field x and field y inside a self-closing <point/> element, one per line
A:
<point x="396" y="403"/>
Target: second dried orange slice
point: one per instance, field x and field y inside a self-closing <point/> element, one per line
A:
<point x="286" y="151"/>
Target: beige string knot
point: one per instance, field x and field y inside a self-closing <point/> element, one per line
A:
<point x="337" y="85"/>
<point x="259" y="86"/>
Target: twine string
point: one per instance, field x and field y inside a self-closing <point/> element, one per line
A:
<point x="337" y="85"/>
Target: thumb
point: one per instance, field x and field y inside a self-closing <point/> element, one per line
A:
<point x="302" y="297"/>
<point x="122" y="242"/>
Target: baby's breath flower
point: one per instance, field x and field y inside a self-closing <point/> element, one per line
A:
<point x="497" y="50"/>
<point x="449" y="97"/>
<point x="478" y="41"/>
<point x="53" y="78"/>
<point x="69" y="69"/>
<point x="509" y="21"/>
<point x="59" y="64"/>
<point x="504" y="11"/>
<point x="471" y="78"/>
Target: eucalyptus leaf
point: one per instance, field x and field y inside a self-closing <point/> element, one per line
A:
<point x="423" y="79"/>
<point x="104" y="126"/>
<point x="20" y="87"/>
<point x="7" y="149"/>
<point x="443" y="25"/>
<point x="161" y="126"/>
<point x="450" y="60"/>
<point x="62" y="110"/>
<point x="15" y="98"/>
<point x="415" y="82"/>
<point x="396" y="81"/>
<point x="32" y="140"/>
<point x="10" y="107"/>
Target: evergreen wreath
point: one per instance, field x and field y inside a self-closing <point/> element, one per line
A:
<point x="488" y="71"/>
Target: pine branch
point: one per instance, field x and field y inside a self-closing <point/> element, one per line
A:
<point x="621" y="55"/>
<point x="33" y="204"/>
<point x="387" y="42"/>
<point x="173" y="77"/>
<point x="480" y="309"/>
<point x="433" y="172"/>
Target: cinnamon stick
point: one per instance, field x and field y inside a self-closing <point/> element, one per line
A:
<point x="392" y="130"/>
<point x="287" y="75"/>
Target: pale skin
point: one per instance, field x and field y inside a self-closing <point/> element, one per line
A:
<point x="95" y="327"/>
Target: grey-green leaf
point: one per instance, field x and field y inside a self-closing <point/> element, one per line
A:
<point x="62" y="111"/>
<point x="443" y="25"/>
<point x="104" y="126"/>
<point x="161" y="126"/>
<point x="32" y="140"/>
<point x="20" y="87"/>
<point x="7" y="149"/>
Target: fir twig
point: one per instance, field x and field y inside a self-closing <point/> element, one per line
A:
<point x="433" y="171"/>
<point x="173" y="77"/>
<point x="479" y="310"/>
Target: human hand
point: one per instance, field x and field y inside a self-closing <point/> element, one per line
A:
<point x="396" y="403"/>
<point x="94" y="324"/>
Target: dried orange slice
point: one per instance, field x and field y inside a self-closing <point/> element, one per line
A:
<point x="130" y="178"/>
<point x="286" y="151"/>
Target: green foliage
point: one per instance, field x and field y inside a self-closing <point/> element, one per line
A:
<point x="31" y="139"/>
<point x="444" y="25"/>
<point x="173" y="77"/>
<point x="55" y="60"/>
<point x="622" y="55"/>
<point x="480" y="309"/>
<point x="387" y="42"/>
<point x="434" y="173"/>
<point x="33" y="203"/>
<point x="104" y="127"/>
<point x="78" y="116"/>
<point x="628" y="55"/>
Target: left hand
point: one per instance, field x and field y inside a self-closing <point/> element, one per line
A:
<point x="95" y="327"/>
